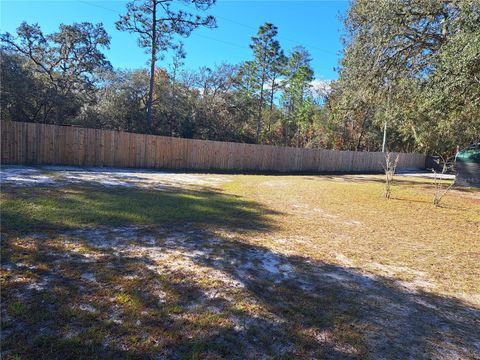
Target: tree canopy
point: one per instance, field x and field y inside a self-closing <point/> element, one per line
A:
<point x="62" y="66"/>
<point x="415" y="67"/>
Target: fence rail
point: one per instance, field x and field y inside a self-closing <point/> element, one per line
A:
<point x="36" y="144"/>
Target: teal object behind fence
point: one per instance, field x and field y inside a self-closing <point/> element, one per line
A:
<point x="467" y="165"/>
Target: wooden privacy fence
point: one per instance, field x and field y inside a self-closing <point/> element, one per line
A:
<point x="30" y="143"/>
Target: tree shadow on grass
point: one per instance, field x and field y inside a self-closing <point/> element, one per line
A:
<point x="194" y="292"/>
<point x="50" y="208"/>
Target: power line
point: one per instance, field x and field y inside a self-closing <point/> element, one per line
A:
<point x="98" y="6"/>
<point x="194" y="34"/>
<point x="218" y="40"/>
<point x="280" y="37"/>
<point x="223" y="41"/>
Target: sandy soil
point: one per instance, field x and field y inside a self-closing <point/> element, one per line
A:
<point x="124" y="178"/>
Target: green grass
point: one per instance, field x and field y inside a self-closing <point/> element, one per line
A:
<point x="51" y="208"/>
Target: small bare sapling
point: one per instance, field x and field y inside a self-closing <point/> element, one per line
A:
<point x="389" y="167"/>
<point x="440" y="188"/>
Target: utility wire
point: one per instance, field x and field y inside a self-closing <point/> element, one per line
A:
<point x="193" y="34"/>
<point x="279" y="36"/>
<point x="222" y="41"/>
<point x="218" y="40"/>
<point x="98" y="6"/>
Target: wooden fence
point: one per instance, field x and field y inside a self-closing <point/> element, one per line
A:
<point x="29" y="143"/>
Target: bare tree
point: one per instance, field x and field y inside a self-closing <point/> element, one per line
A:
<point x="440" y="189"/>
<point x="389" y="167"/>
<point x="156" y="23"/>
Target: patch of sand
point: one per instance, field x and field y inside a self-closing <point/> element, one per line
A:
<point x="108" y="177"/>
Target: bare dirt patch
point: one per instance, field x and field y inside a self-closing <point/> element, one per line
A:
<point x="108" y="177"/>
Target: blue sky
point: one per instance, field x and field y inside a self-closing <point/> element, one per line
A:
<point x="314" y="24"/>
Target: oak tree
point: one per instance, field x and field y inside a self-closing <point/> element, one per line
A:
<point x="66" y="62"/>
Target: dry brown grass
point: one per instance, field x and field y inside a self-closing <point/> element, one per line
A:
<point x="345" y="220"/>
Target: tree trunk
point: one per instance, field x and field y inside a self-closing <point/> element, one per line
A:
<point x="286" y="132"/>
<point x="59" y="114"/>
<point x="260" y="107"/>
<point x="362" y="129"/>
<point x="150" y="95"/>
<point x="384" y="143"/>
<point x="272" y="93"/>
<point x="174" y="105"/>
<point x="152" y="67"/>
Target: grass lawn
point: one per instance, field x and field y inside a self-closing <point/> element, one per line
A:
<point x="196" y="266"/>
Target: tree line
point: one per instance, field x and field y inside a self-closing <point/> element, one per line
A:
<point x="410" y="71"/>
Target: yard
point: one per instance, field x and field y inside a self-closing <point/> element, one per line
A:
<point x="140" y="264"/>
